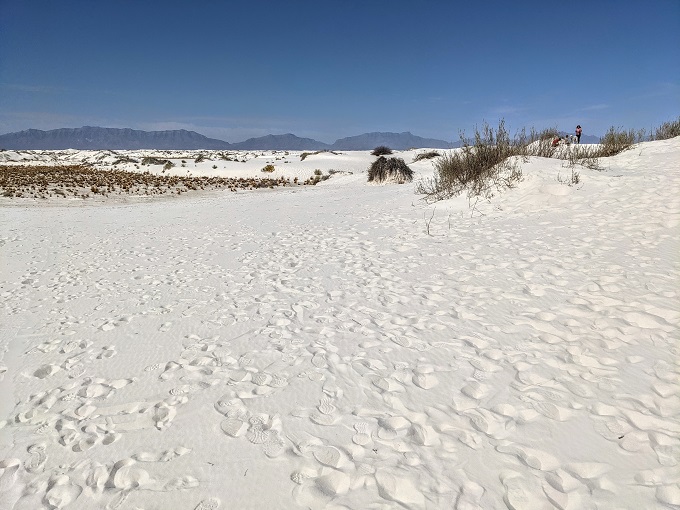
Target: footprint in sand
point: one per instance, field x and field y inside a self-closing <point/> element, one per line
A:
<point x="61" y="491"/>
<point x="208" y="504"/>
<point x="362" y="437"/>
<point x="518" y="494"/>
<point x="107" y="352"/>
<point x="36" y="461"/>
<point x="8" y="473"/>
<point x="326" y="406"/>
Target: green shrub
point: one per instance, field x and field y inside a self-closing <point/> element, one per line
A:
<point x="381" y="150"/>
<point x="389" y="169"/>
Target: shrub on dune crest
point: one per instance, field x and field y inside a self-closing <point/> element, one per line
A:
<point x="389" y="170"/>
<point x="479" y="168"/>
<point x="616" y="141"/>
<point x="492" y="161"/>
<point x="381" y="150"/>
<point x="667" y="130"/>
<point x="426" y="155"/>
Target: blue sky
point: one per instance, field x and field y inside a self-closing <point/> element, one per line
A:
<point x="329" y="69"/>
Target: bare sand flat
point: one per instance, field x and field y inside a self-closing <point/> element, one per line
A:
<point x="344" y="345"/>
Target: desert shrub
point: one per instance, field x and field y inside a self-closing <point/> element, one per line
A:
<point x="381" y="150"/>
<point x="488" y="164"/>
<point x="587" y="156"/>
<point x="426" y="155"/>
<point x="305" y="154"/>
<point x="168" y="165"/>
<point x="199" y="158"/>
<point x="214" y="167"/>
<point x="539" y="143"/>
<point x="268" y="168"/>
<point x="389" y="169"/>
<point x="153" y="161"/>
<point x="616" y="141"/>
<point x="318" y="172"/>
<point x="667" y="130"/>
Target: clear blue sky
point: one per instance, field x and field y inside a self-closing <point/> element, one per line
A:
<point x="329" y="69"/>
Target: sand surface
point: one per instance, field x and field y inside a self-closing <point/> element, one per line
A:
<point x="317" y="347"/>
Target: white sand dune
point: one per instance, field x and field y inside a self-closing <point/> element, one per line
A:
<point x="315" y="347"/>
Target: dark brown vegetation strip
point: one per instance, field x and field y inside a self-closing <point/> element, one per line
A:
<point x="84" y="182"/>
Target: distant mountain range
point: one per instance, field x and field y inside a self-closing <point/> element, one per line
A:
<point x="97" y="138"/>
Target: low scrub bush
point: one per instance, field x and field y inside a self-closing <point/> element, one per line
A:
<point x="539" y="143"/>
<point x="389" y="170"/>
<point x="667" y="130"/>
<point x="616" y="141"/>
<point x="268" y="168"/>
<point x="381" y="150"/>
<point x="584" y="156"/>
<point x="488" y="164"/>
<point x="426" y="155"/>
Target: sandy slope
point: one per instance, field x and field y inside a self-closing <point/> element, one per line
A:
<point x="316" y="348"/>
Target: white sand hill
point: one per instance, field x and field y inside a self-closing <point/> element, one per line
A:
<point x="315" y="347"/>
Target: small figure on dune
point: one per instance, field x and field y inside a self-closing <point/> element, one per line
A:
<point x="578" y="133"/>
<point x="556" y="141"/>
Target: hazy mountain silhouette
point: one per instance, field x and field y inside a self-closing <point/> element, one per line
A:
<point x="97" y="138"/>
<point x="398" y="141"/>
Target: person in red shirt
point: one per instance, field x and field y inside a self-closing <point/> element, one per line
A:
<point x="578" y="134"/>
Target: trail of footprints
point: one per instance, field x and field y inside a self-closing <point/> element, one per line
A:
<point x="369" y="355"/>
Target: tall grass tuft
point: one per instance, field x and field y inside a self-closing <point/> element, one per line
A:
<point x="389" y="170"/>
<point x="667" y="130"/>
<point x="616" y="141"/>
<point x="381" y="150"/>
<point x="479" y="168"/>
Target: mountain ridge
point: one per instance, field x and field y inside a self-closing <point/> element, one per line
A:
<point x="99" y="138"/>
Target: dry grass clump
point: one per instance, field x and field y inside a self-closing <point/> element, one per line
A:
<point x="616" y="141"/>
<point x="540" y="143"/>
<point x="155" y="161"/>
<point x="304" y="155"/>
<point x="84" y="182"/>
<point x="480" y="168"/>
<point x="389" y="170"/>
<point x="268" y="168"/>
<point x="667" y="130"/>
<point x="381" y="150"/>
<point x="426" y="155"/>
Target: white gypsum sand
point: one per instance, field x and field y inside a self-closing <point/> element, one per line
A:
<point x="316" y="347"/>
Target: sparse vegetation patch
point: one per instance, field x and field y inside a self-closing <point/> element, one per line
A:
<point x="480" y="168"/>
<point x="667" y="130"/>
<point x="426" y="155"/>
<point x="381" y="150"/>
<point x="389" y="170"/>
<point x="304" y="155"/>
<point x="86" y="182"/>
